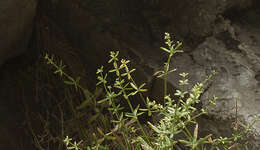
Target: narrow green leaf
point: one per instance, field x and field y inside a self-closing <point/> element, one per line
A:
<point x="134" y="86"/>
<point x="103" y="100"/>
<point x="84" y="104"/>
<point x="154" y="128"/>
<point x="110" y="137"/>
<point x="100" y="132"/>
<point x="165" y="49"/>
<point x="69" y="82"/>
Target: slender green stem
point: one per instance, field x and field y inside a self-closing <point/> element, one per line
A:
<point x="165" y="89"/>
<point x="117" y="116"/>
<point x="132" y="110"/>
<point x="166" y="71"/>
<point x="138" y="122"/>
<point x="69" y="77"/>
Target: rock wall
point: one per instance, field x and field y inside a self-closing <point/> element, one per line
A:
<point x="16" y="19"/>
<point x="218" y="34"/>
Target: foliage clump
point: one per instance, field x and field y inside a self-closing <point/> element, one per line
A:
<point x="177" y="126"/>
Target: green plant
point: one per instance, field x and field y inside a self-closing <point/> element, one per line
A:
<point x="177" y="116"/>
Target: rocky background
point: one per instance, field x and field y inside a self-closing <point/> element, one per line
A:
<point x="217" y="34"/>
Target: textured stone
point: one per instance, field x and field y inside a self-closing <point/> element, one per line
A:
<point x="237" y="61"/>
<point x="233" y="52"/>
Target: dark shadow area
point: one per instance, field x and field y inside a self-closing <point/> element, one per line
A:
<point x="14" y="135"/>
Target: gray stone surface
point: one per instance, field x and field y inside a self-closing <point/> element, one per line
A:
<point x="234" y="54"/>
<point x="16" y="17"/>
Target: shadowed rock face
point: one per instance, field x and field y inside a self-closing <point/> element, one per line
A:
<point x="16" y="24"/>
<point x="197" y="17"/>
<point x="16" y="17"/>
<point x="86" y="20"/>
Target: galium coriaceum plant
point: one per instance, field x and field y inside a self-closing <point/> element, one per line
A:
<point x="176" y="127"/>
<point x="127" y="87"/>
<point x="176" y="114"/>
